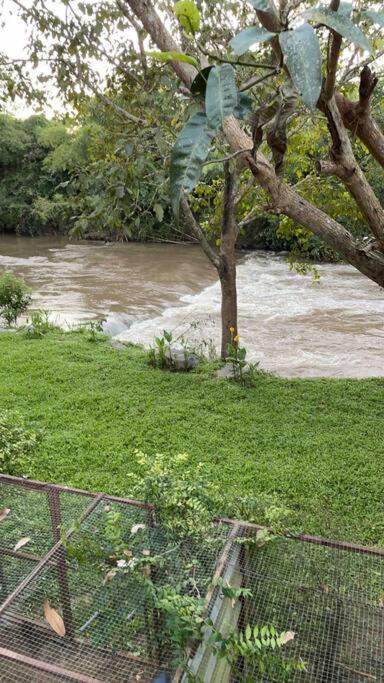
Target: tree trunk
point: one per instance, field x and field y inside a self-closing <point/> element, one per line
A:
<point x="224" y="260"/>
<point x="228" y="307"/>
<point x="227" y="272"/>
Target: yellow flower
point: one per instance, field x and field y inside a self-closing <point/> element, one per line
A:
<point x="237" y="338"/>
<point x="231" y="329"/>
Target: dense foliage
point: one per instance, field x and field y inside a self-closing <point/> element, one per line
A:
<point x="17" y="443"/>
<point x="87" y="177"/>
<point x="91" y="179"/>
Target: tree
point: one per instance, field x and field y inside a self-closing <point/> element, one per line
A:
<point x="252" y="102"/>
<point x="298" y="58"/>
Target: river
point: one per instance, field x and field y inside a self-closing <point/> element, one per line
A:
<point x="292" y="326"/>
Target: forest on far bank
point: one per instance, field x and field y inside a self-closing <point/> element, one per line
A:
<point x="94" y="177"/>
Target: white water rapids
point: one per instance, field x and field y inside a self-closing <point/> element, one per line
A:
<point x="297" y="328"/>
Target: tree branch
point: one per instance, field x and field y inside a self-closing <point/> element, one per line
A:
<point x="101" y="96"/>
<point x="345" y="167"/>
<point x="138" y="30"/>
<point x="334" y="47"/>
<point x="223" y="60"/>
<point x="152" y="23"/>
<point x="285" y="199"/>
<point x="357" y="116"/>
<point x="196" y="230"/>
<point x="255" y="80"/>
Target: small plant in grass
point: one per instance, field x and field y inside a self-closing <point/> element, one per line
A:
<point x="244" y="373"/>
<point x="94" y="330"/>
<point x="265" y="509"/>
<point x="17" y="444"/>
<point x="15" y="298"/>
<point x="160" y="355"/>
<point x="38" y="324"/>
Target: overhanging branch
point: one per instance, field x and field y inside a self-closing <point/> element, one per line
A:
<point x="284" y="198"/>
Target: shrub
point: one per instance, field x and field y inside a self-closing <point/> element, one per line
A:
<point x="184" y="497"/>
<point x="15" y="297"/>
<point x="17" y="443"/>
<point x="94" y="330"/>
<point x="39" y="324"/>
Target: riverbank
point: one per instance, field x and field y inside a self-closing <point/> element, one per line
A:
<point x="288" y="323"/>
<point x="318" y="444"/>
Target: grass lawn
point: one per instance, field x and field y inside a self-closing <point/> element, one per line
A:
<point x="317" y="444"/>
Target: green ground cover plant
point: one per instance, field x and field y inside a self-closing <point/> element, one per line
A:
<point x="315" y="445"/>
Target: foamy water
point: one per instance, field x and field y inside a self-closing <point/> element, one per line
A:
<point x="292" y="326"/>
<point x="288" y="323"/>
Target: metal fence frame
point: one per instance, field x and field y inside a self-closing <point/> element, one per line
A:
<point x="55" y="555"/>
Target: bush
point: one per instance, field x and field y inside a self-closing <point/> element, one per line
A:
<point x="185" y="498"/>
<point x="39" y="324"/>
<point x="15" y="297"/>
<point x="17" y="443"/>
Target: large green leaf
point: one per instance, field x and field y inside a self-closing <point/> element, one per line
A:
<point x="172" y="57"/>
<point x="221" y="95"/>
<point x="249" y="37"/>
<point x="345" y="8"/>
<point x="188" y="155"/>
<point x="302" y="57"/>
<point x="199" y="84"/>
<point x="188" y="15"/>
<point x="244" y="106"/>
<point x="375" y="17"/>
<point x="341" y="23"/>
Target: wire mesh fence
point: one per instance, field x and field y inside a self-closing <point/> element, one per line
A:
<point x="65" y="617"/>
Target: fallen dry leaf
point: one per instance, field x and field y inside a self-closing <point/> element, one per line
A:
<point x="286" y="637"/>
<point x="127" y="553"/>
<point x="109" y="575"/>
<point x="4" y="513"/>
<point x="23" y="541"/>
<point x="54" y="619"/>
<point x="381" y="601"/>
<point x="146" y="553"/>
<point x="136" y="528"/>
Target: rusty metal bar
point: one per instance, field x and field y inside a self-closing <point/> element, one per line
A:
<point x="20" y="554"/>
<point x="130" y="501"/>
<point x="36" y="570"/>
<point x="307" y="538"/>
<point x="61" y="563"/>
<point x="43" y="486"/>
<point x="46" y="666"/>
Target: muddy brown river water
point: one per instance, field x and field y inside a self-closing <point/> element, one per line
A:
<point x="294" y="327"/>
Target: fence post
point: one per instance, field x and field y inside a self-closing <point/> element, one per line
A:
<point x="61" y="564"/>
